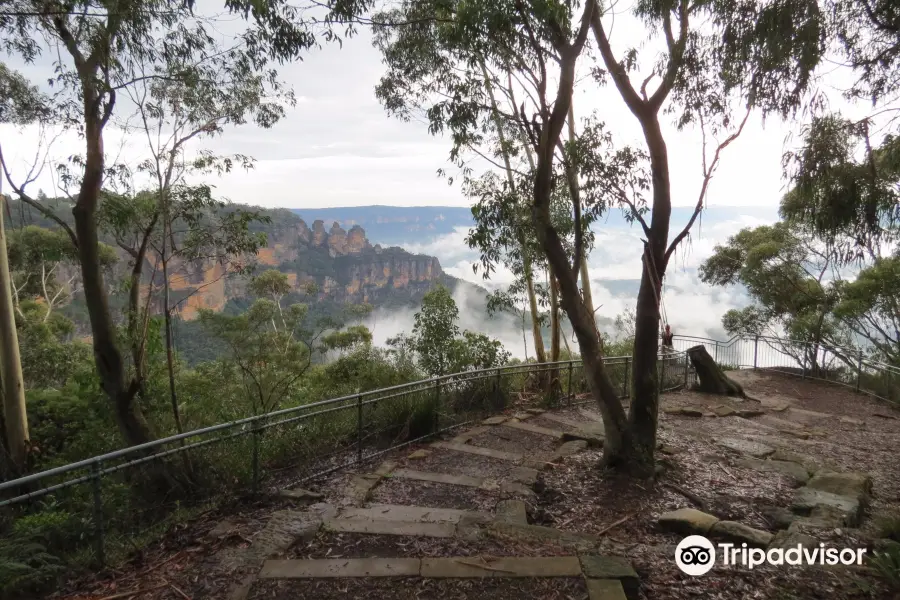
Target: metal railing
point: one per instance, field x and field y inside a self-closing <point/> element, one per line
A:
<point x="103" y="508"/>
<point x="836" y="364"/>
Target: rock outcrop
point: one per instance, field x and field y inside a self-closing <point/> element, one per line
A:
<point x="344" y="267"/>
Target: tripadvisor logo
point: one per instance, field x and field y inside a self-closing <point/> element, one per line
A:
<point x="696" y="555"/>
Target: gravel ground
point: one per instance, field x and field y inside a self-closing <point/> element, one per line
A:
<point x="459" y="463"/>
<point x="436" y="495"/>
<point x="558" y="588"/>
<point x="361" y="545"/>
<point x="515" y="440"/>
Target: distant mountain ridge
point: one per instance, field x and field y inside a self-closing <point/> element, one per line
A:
<point x="403" y="225"/>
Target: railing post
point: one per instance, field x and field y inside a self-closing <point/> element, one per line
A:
<point x="437" y="405"/>
<point x="499" y="390"/>
<point x="359" y="427"/>
<point x="255" y="457"/>
<point x="755" y="350"/>
<point x="571" y="395"/>
<point x="625" y="379"/>
<point x="859" y="371"/>
<point x="98" y="513"/>
<point x="685" y="370"/>
<point x="825" y="364"/>
<point x="716" y="358"/>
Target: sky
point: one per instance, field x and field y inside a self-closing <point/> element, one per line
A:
<point x="338" y="147"/>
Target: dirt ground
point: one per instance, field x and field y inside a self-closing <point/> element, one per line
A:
<point x="833" y="425"/>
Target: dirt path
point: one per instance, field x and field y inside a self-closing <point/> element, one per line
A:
<point x="516" y="489"/>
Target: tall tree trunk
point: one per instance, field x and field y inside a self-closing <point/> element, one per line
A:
<point x="554" y="333"/>
<point x="572" y="178"/>
<point x="526" y="259"/>
<point x="107" y="356"/>
<point x="170" y="355"/>
<point x="15" y="415"/>
<point x="619" y="449"/>
<point x="644" y="412"/>
<point x="539" y="350"/>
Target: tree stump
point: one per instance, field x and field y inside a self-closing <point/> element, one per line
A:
<point x="711" y="379"/>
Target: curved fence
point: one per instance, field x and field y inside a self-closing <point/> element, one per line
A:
<point x="99" y="510"/>
<point x="845" y="366"/>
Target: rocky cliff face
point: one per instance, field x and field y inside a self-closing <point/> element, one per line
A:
<point x="345" y="267"/>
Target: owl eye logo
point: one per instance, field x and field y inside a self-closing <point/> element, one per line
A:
<point x="695" y="555"/>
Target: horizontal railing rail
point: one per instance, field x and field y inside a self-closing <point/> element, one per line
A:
<point x="811" y="360"/>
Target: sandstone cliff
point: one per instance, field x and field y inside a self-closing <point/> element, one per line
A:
<point x="345" y="267"/>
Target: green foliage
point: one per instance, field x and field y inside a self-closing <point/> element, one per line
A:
<point x="435" y="330"/>
<point x="886" y="565"/>
<point x="785" y="274"/>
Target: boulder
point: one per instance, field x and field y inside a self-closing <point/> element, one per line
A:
<point x="851" y="484"/>
<point x="687" y="521"/>
<point x="725" y="411"/>
<point x="795" y="471"/>
<point x="751" y="448"/>
<point x="739" y="533"/>
<point x="787" y="539"/>
<point x="830" y="509"/>
<point x="779" y="517"/>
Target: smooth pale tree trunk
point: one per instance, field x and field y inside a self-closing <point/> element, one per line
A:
<point x="526" y="260"/>
<point x="576" y="192"/>
<point x="15" y="415"/>
<point x="644" y="413"/>
<point x="107" y="356"/>
<point x="620" y="448"/>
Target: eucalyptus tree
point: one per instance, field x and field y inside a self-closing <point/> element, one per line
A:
<point x="100" y="48"/>
<point x="719" y="59"/>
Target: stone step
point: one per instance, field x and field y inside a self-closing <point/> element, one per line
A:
<point x="590" y="414"/>
<point x="465" y="436"/>
<point x="540" y="566"/>
<point x="384" y="527"/>
<point x="554" y="433"/>
<point x="410" y="514"/>
<point x="436" y="568"/>
<point x="464" y="480"/>
<point x="488" y="452"/>
<point x="563" y="420"/>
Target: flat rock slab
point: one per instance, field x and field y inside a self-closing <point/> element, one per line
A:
<point x="724" y="411"/>
<point x="522" y="415"/>
<point x="464" y="437"/>
<point x="360" y="487"/>
<point x="525" y="475"/>
<point x="687" y="521"/>
<point x="554" y="433"/>
<point x="567" y="449"/>
<point x="301" y="495"/>
<point x="754" y="449"/>
<point x="605" y="589"/>
<point x="475" y="566"/>
<point x="795" y="471"/>
<point x="611" y="567"/>
<point x="739" y="533"/>
<point x="385" y="468"/>
<point x="494" y="420"/>
<point x="562" y="420"/>
<point x="786" y="540"/>
<point x="464" y="480"/>
<point x="341" y="567"/>
<point x="592" y="433"/>
<point x="535" y="411"/>
<point x="806" y="500"/>
<point x="397" y="512"/>
<point x="438" y="530"/>
<point x="591" y="414"/>
<point x="684" y="411"/>
<point x="541" y="533"/>
<point x="488" y="452"/>
<point x="419" y="455"/>
<point x="853" y="484"/>
<point x="512" y="511"/>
